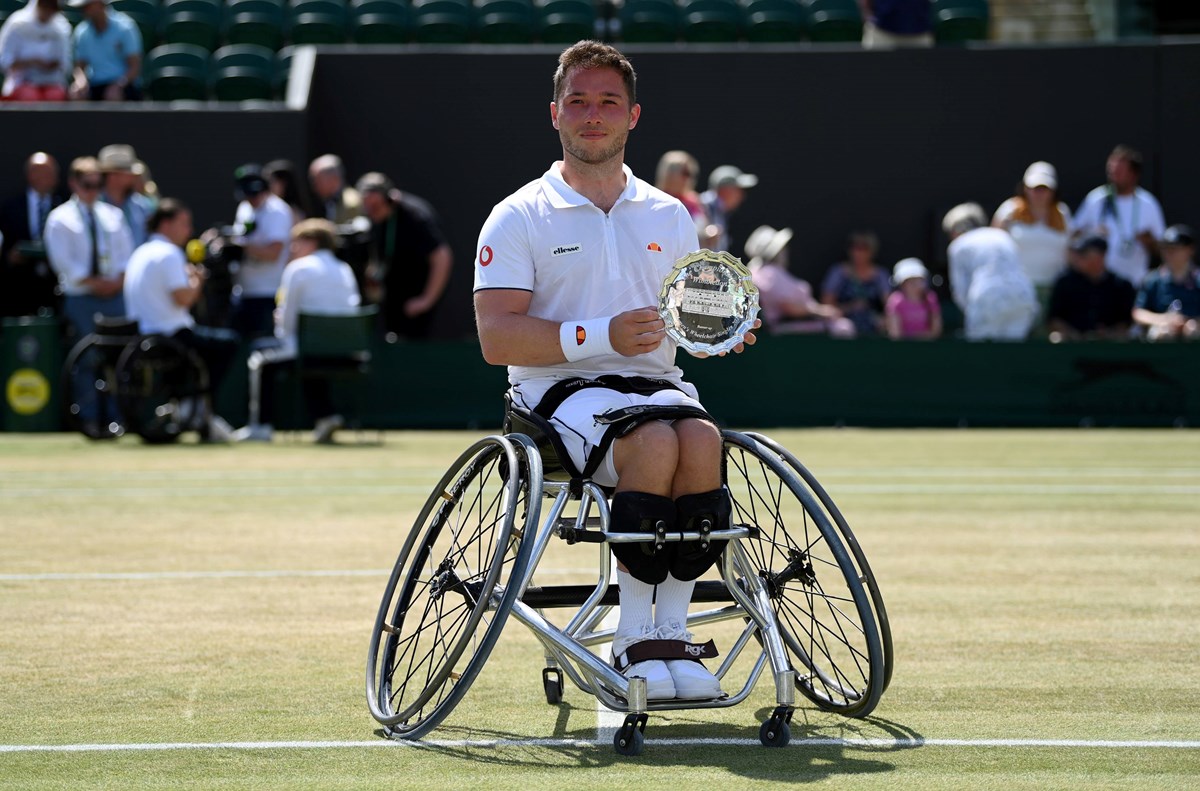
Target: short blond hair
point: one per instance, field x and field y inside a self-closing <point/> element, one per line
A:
<point x="323" y="232"/>
<point x="81" y="166"/>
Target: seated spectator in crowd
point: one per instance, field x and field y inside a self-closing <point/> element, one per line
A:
<point x="1039" y="223"/>
<point x="986" y="278"/>
<point x="1125" y="214"/>
<point x="108" y="54"/>
<point x="161" y="288"/>
<point x="27" y="283"/>
<point x="1088" y="300"/>
<point x="282" y="179"/>
<point x="676" y="176"/>
<point x="266" y="225"/>
<point x="332" y="199"/>
<point x="858" y="287"/>
<point x="88" y="243"/>
<point x="35" y="53"/>
<point x="119" y="164"/>
<point x="410" y="259"/>
<point x="787" y="302"/>
<point x="315" y="281"/>
<point x="912" y="310"/>
<point x="726" y="193"/>
<point x="1168" y="303"/>
<point x="893" y="24"/>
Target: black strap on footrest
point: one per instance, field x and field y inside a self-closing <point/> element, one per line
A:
<point x="669" y="649"/>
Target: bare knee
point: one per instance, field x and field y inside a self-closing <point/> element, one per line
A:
<point x="646" y="458"/>
<point x="699" y="466"/>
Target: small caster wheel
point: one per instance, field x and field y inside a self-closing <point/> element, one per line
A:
<point x="630" y="743"/>
<point x="775" y="733"/>
<point x="552" y="683"/>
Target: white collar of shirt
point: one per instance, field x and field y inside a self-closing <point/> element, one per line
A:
<point x="563" y="196"/>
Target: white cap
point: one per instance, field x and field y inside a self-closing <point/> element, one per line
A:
<point x="766" y="243"/>
<point x="907" y="269"/>
<point x="1041" y="174"/>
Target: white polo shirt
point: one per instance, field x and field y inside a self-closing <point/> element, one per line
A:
<point x="1120" y="218"/>
<point x="581" y="263"/>
<point x="272" y="222"/>
<point x="156" y="269"/>
<point x="68" y="242"/>
<point x="317" y="283"/>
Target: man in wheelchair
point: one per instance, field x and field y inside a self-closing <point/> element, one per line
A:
<point x="567" y="278"/>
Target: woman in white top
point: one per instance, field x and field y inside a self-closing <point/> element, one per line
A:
<point x="1039" y="223"/>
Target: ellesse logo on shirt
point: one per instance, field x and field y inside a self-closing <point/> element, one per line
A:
<point x="567" y="249"/>
<point x="580" y="335"/>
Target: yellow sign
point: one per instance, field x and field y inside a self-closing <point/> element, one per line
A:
<point x="28" y="391"/>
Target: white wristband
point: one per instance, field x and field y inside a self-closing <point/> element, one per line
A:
<point x="582" y="339"/>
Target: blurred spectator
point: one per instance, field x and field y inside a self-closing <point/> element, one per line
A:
<point x="27" y="283"/>
<point x="676" y="176"/>
<point x="727" y="187"/>
<point x="892" y="24"/>
<point x="912" y="311"/>
<point x="332" y="199"/>
<point x="1088" y="300"/>
<point x="1126" y="215"/>
<point x="88" y="244"/>
<point x="410" y="260"/>
<point x="858" y="287"/>
<point x="108" y="54"/>
<point x="315" y="281"/>
<point x="160" y="289"/>
<point x="265" y="222"/>
<point x="35" y="53"/>
<point x="1038" y="223"/>
<point x="144" y="184"/>
<point x="119" y="164"/>
<point x="986" y="278"/>
<point x="1168" y="303"/>
<point x="283" y="181"/>
<point x="787" y="302"/>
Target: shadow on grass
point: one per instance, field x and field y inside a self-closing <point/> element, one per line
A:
<point x="818" y="750"/>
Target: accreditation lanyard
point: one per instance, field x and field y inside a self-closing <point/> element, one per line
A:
<point x="1111" y="203"/>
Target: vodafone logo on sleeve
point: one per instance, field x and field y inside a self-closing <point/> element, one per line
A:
<point x="485" y="255"/>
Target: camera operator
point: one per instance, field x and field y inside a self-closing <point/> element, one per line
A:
<point x="161" y="287"/>
<point x="409" y="260"/>
<point x="265" y="221"/>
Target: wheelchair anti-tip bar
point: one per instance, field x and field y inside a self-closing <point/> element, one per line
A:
<point x="574" y="535"/>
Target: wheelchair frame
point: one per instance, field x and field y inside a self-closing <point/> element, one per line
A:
<point x="150" y="385"/>
<point x="842" y="663"/>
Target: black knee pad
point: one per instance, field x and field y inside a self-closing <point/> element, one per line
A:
<point x="692" y="512"/>
<point x="639" y="512"/>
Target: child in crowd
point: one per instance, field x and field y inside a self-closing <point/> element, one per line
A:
<point x="912" y="311"/>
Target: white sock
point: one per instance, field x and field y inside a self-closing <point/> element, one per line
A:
<point x="674" y="596"/>
<point x="637" y="598"/>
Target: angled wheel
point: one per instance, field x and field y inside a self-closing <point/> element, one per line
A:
<point x="89" y="386"/>
<point x="825" y="614"/>
<point x="161" y="386"/>
<point x="860" y="559"/>
<point x="450" y="593"/>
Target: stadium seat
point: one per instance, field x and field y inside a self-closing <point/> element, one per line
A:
<point x="176" y="71"/>
<point x="145" y="13"/>
<point x="504" y="21"/>
<point x="773" y="20"/>
<point x="317" y="22"/>
<point x="443" y="21"/>
<point x="240" y="72"/>
<point x="258" y="22"/>
<point x="959" y="21"/>
<point x="337" y="347"/>
<point x="649" y="21"/>
<point x="195" y="22"/>
<point x="283" y="67"/>
<point x="711" y="20"/>
<point x="833" y="20"/>
<point x="565" y="21"/>
<point x="8" y="6"/>
<point x="380" y="22"/>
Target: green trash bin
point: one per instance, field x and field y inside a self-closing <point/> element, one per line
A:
<point x="30" y="358"/>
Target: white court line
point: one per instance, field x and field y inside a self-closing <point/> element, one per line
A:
<point x="886" y="744"/>
<point x="84" y="576"/>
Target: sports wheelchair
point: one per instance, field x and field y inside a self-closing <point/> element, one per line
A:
<point x="792" y="572"/>
<point x="149" y="385"/>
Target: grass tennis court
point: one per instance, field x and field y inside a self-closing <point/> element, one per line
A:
<point x="202" y="612"/>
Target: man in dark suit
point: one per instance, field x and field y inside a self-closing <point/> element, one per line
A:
<point x="27" y="284"/>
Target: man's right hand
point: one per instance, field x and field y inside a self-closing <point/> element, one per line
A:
<point x="637" y="331"/>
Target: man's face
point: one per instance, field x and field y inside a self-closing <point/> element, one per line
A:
<point x="731" y="196"/>
<point x="1121" y="173"/>
<point x="42" y="176"/>
<point x="179" y="229"/>
<point x="86" y="186"/>
<point x="326" y="184"/>
<point x="594" y="116"/>
<point x="375" y="205"/>
<point x="1177" y="254"/>
<point x="119" y="182"/>
<point x="94" y="11"/>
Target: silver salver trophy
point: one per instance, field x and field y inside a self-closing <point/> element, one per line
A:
<point x="708" y="302"/>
